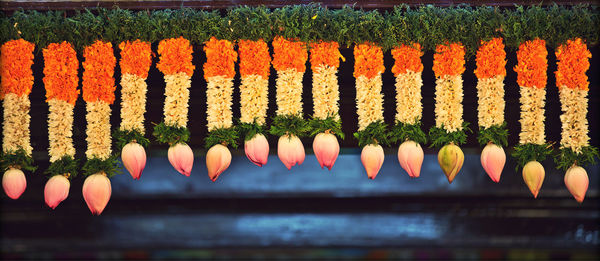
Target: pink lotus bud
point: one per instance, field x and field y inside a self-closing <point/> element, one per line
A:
<point x="372" y="158"/>
<point x="14" y="183"/>
<point x="96" y="192"/>
<point x="257" y="149"/>
<point x="492" y="160"/>
<point x="290" y="150"/>
<point x="410" y="156"/>
<point x="56" y="190"/>
<point x="218" y="159"/>
<point x="326" y="148"/>
<point x="451" y="159"/>
<point x="133" y="156"/>
<point x="533" y="174"/>
<point x="577" y="182"/>
<point x="181" y="158"/>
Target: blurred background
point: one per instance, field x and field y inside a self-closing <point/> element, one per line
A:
<point x="270" y="212"/>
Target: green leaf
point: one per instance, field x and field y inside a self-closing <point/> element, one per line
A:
<point x="524" y="153"/>
<point x="566" y="157"/>
<point x="497" y="134"/>
<point x="171" y="135"/>
<point x="249" y="130"/>
<point x="375" y="133"/>
<point x="402" y="132"/>
<point x="329" y="124"/>
<point x="439" y="137"/>
<point x="123" y="137"/>
<point x="65" y="165"/>
<point x="17" y="159"/>
<point x="225" y="136"/>
<point x="109" y="166"/>
<point x="289" y="124"/>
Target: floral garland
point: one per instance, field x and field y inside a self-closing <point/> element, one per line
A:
<point x="61" y="81"/>
<point x="99" y="93"/>
<point x="289" y="60"/>
<point x="368" y="67"/>
<point x="325" y="60"/>
<point x="17" y="80"/>
<point x="255" y="64"/>
<point x="531" y="76"/>
<point x="575" y="150"/>
<point x="490" y="72"/>
<point x="176" y="65"/>
<point x="219" y="71"/>
<point x="449" y="129"/>
<point x="136" y="59"/>
<point x="409" y="109"/>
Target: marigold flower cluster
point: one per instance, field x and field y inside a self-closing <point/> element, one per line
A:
<point x="220" y="58"/>
<point x="98" y="82"/>
<point x="573" y="61"/>
<point x="289" y="54"/>
<point x="136" y="58"/>
<point x="368" y="60"/>
<point x="449" y="59"/>
<point x="175" y="56"/>
<point x="491" y="59"/>
<point x="324" y="53"/>
<point x="60" y="72"/>
<point x="254" y="58"/>
<point x="16" y="59"/>
<point x="407" y="58"/>
<point x="532" y="64"/>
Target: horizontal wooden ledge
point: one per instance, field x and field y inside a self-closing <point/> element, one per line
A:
<point x="12" y="5"/>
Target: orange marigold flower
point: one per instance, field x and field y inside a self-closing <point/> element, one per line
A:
<point x="220" y="58"/>
<point x="449" y="59"/>
<point x="491" y="59"/>
<point x="407" y="58"/>
<point x="289" y="54"/>
<point x="15" y="67"/>
<point x="60" y="72"/>
<point x="368" y="60"/>
<point x="573" y="61"/>
<point x="99" y="65"/>
<point x="175" y="56"/>
<point x="136" y="58"/>
<point x="254" y="58"/>
<point x="325" y="53"/>
<point x="532" y="63"/>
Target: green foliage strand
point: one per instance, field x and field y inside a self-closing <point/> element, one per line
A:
<point x="440" y="137"/>
<point x="402" y="132"/>
<point x="375" y="133"/>
<point x="497" y="134"/>
<point x="171" y="135"/>
<point x="524" y="153"/>
<point x="566" y="157"/>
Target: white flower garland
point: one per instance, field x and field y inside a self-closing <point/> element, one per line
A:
<point x="369" y="100"/>
<point x="490" y="92"/>
<point x="177" y="95"/>
<point x="219" y="99"/>
<point x="254" y="100"/>
<point x="289" y="92"/>
<point x="98" y="130"/>
<point x="532" y="115"/>
<point x="133" y="102"/>
<point x="574" y="133"/>
<point x="448" y="102"/>
<point x="325" y="92"/>
<point x="409" y="108"/>
<point x="15" y="127"/>
<point x="60" y="129"/>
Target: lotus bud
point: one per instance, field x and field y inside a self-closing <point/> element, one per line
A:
<point x="410" y="156"/>
<point x="290" y="150"/>
<point x="577" y="182"/>
<point x="492" y="160"/>
<point x="326" y="148"/>
<point x="56" y="190"/>
<point x="451" y="159"/>
<point x="96" y="192"/>
<point x="181" y="158"/>
<point x="257" y="149"/>
<point x="533" y="174"/>
<point x="14" y="183"/>
<point x="133" y="156"/>
<point x="218" y="159"/>
<point x="372" y="158"/>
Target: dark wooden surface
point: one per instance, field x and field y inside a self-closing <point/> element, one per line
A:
<point x="11" y="5"/>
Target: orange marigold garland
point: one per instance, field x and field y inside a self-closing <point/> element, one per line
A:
<point x="219" y="71"/>
<point x="255" y="64"/>
<point x="289" y="59"/>
<point x="368" y="67"/>
<point x="490" y="72"/>
<point x="449" y="129"/>
<point x="136" y="59"/>
<point x="409" y="109"/>
<point x="575" y="150"/>
<point x="531" y="76"/>
<point x="17" y="80"/>
<point x="176" y="65"/>
<point x="325" y="60"/>
<point x="99" y="93"/>
<point x="61" y="81"/>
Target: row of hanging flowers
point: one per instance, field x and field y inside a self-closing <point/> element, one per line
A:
<point x="290" y="53"/>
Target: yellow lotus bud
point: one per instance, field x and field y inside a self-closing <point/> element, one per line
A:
<point x="533" y="174"/>
<point x="451" y="159"/>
